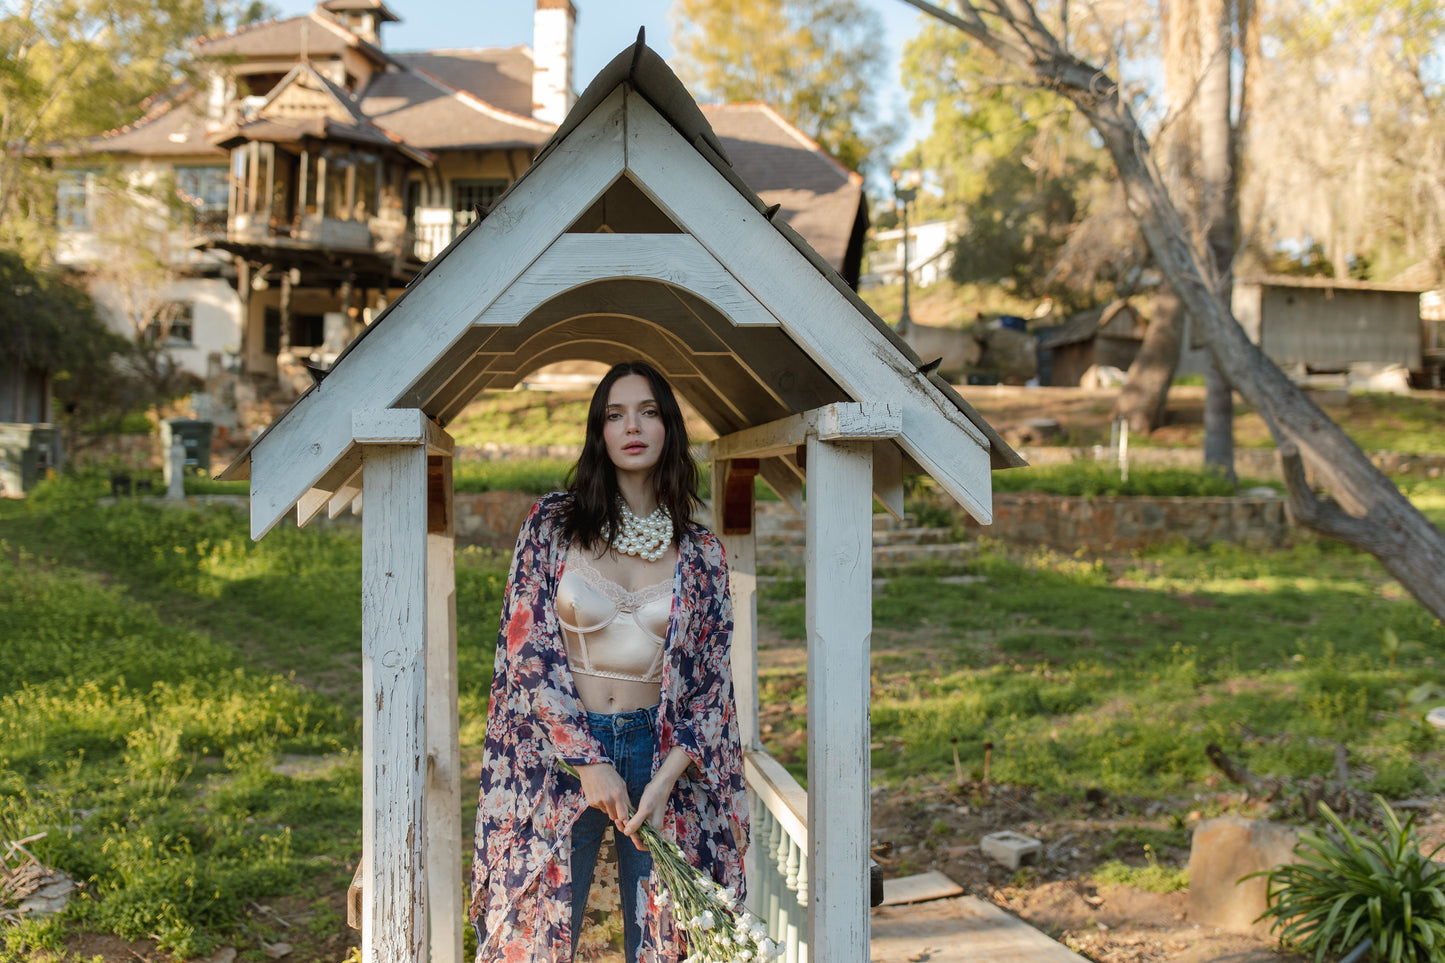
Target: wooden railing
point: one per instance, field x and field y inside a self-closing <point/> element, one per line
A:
<point x="779" y="854"/>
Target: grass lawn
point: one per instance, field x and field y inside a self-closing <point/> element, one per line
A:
<point x="178" y="704"/>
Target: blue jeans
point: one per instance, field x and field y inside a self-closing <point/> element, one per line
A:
<point x="627" y="738"/>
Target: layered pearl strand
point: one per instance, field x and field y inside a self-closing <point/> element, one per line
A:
<point x="647" y="538"/>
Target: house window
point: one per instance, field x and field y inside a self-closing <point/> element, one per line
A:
<point x="204" y="191"/>
<point x="466" y="195"/>
<point x="174" y="324"/>
<point x="72" y="200"/>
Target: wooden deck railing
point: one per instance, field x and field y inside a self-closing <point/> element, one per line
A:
<point x="779" y="853"/>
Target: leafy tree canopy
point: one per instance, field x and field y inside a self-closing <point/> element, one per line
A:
<point x="74" y="68"/>
<point x="1015" y="164"/>
<point x="814" y="61"/>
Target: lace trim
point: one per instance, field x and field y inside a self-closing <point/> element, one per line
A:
<point x="626" y="600"/>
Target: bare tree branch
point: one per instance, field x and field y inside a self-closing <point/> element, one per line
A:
<point x="1381" y="520"/>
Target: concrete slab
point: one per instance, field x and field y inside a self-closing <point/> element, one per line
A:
<point x="964" y="929"/>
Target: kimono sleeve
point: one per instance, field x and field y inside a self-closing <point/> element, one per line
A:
<point x="707" y="724"/>
<point x="531" y="679"/>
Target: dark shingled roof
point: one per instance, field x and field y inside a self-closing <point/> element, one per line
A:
<point x="175" y="128"/>
<point x="501" y="76"/>
<point x="819" y="197"/>
<point x="315" y="33"/>
<point x="427" y="113"/>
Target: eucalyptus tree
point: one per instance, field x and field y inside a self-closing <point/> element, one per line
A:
<point x="1364" y="508"/>
<point x="817" y="62"/>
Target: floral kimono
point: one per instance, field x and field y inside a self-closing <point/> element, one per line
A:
<point x="521" y="870"/>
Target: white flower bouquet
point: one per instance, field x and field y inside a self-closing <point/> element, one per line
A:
<point x="717" y="927"/>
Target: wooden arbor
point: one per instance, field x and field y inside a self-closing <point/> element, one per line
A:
<point x="628" y="237"/>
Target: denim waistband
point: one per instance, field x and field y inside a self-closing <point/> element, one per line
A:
<point x="621" y="721"/>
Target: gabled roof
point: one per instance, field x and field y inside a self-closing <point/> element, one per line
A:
<point x="501" y="76"/>
<point x="175" y="127"/>
<point x="818" y="197"/>
<point x="313" y="34"/>
<point x="342" y="120"/>
<point x="629" y="236"/>
<point x="429" y="113"/>
<point x="1101" y="321"/>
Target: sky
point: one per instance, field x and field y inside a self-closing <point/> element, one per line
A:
<point x="604" y="28"/>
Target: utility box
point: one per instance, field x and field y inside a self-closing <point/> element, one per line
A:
<point x="195" y="436"/>
<point x="27" y="453"/>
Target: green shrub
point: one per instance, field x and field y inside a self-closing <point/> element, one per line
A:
<point x="1358" y="884"/>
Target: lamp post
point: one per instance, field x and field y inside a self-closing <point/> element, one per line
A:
<point x="905" y="189"/>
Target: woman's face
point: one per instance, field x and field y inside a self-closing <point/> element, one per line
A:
<point x="632" y="425"/>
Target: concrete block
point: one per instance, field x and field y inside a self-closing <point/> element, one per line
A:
<point x="1224" y="850"/>
<point x="1010" y="848"/>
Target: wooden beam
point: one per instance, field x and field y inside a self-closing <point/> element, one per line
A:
<point x="394" y="605"/>
<point x="888" y="477"/>
<point x="399" y="426"/>
<point x="839" y="615"/>
<point x="445" y="900"/>
<point x="815" y="312"/>
<point x="841" y="421"/>
<point x="732" y="489"/>
<point x="573" y="260"/>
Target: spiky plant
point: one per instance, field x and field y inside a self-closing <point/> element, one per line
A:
<point x="1354" y="884"/>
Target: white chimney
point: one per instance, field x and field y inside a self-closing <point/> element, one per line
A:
<point x="553" y="30"/>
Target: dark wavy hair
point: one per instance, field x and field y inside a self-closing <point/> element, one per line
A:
<point x="594" y="518"/>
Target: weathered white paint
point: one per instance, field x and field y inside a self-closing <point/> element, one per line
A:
<point x="838" y="557"/>
<point x="577" y="259"/>
<point x="350" y="489"/>
<point x="394" y="640"/>
<point x="842" y="421"/>
<point x="443" y="776"/>
<point x="854" y="353"/>
<point x="776" y="789"/>
<point x="301" y="447"/>
<point x="888" y="477"/>
<point x="399" y="426"/>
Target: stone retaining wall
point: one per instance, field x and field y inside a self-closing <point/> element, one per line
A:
<point x="1260" y="463"/>
<point x="1124" y="523"/>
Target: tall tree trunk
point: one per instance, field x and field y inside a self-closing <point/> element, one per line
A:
<point x="1144" y="397"/>
<point x="1216" y="210"/>
<point x="1368" y="511"/>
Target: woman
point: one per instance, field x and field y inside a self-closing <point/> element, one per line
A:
<point x="613" y="656"/>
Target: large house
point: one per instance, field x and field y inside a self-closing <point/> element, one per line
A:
<point x="319" y="173"/>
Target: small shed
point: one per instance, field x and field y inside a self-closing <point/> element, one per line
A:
<point x="1329" y="324"/>
<point x="629" y="236"/>
<point x="1110" y="335"/>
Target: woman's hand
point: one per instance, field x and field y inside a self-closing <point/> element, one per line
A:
<point x="653" y="802"/>
<point x="605" y="790"/>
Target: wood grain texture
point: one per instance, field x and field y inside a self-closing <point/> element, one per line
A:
<point x="394" y="641"/>
<point x="838" y="559"/>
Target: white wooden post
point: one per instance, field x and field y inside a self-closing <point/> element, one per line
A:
<point x="395" y="615"/>
<point x="443" y="785"/>
<point x="839" y="585"/>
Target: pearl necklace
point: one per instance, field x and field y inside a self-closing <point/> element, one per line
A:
<point x="647" y="538"/>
